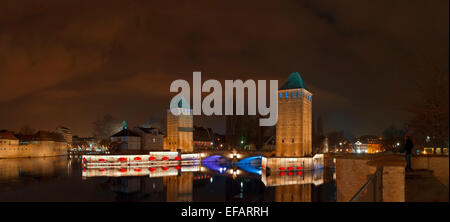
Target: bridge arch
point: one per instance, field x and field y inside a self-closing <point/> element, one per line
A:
<point x="251" y="164"/>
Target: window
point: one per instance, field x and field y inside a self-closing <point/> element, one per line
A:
<point x="281" y="95"/>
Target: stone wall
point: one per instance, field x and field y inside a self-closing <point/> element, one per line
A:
<point x="34" y="149"/>
<point x="437" y="164"/>
<point x="393" y="184"/>
<point x="352" y="172"/>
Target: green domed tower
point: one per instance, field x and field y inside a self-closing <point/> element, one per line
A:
<point x="294" y="125"/>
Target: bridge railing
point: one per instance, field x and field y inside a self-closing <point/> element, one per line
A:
<point x="372" y="190"/>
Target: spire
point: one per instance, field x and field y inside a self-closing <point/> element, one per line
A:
<point x="294" y="82"/>
<point x="183" y="103"/>
<point x="124" y="125"/>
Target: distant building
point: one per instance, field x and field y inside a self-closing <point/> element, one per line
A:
<point x="368" y="144"/>
<point x="203" y="138"/>
<point x="343" y="146"/>
<point x="126" y="140"/>
<point x="8" y="138"/>
<point x="180" y="129"/>
<point x="294" y="125"/>
<point x="219" y="141"/>
<point x="83" y="142"/>
<point x="151" y="138"/>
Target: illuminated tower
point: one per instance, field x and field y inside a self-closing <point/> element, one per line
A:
<point x="294" y="125"/>
<point x="180" y="129"/>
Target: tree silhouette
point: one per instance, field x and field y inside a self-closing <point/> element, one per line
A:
<point x="431" y="110"/>
<point x="105" y="127"/>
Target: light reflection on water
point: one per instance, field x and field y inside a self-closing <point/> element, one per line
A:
<point x="61" y="179"/>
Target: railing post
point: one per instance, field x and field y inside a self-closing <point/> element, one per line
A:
<point x="380" y="185"/>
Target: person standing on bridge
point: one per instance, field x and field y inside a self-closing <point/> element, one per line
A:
<point x="408" y="149"/>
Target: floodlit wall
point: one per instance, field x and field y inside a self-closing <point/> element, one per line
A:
<point x="33" y="149"/>
<point x="180" y="133"/>
<point x="352" y="172"/>
<point x="438" y="164"/>
<point x="296" y="163"/>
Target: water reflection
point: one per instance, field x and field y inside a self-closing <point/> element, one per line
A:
<point x="179" y="188"/>
<point x="38" y="168"/>
<point x="66" y="180"/>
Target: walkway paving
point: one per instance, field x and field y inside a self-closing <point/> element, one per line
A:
<point x="422" y="186"/>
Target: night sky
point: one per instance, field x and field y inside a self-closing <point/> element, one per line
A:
<point x="70" y="63"/>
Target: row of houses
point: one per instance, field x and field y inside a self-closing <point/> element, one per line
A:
<point x="370" y="144"/>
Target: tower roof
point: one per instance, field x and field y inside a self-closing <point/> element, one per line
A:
<point x="294" y="82"/>
<point x="124" y="125"/>
<point x="183" y="103"/>
<point x="126" y="133"/>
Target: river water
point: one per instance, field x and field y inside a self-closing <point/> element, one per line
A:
<point x="62" y="179"/>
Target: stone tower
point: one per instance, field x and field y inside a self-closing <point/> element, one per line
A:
<point x="294" y="125"/>
<point x="180" y="129"/>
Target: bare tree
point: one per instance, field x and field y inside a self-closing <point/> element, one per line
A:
<point x="431" y="110"/>
<point x="393" y="135"/>
<point x="320" y="131"/>
<point x="105" y="127"/>
<point x="334" y="138"/>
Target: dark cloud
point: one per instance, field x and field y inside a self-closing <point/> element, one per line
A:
<point x="68" y="63"/>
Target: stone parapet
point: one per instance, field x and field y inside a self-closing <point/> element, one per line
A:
<point x="437" y="163"/>
<point x="352" y="172"/>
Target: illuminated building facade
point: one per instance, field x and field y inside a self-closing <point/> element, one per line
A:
<point x="180" y="129"/>
<point x="203" y="138"/>
<point x="294" y="125"/>
<point x="40" y="144"/>
<point x="368" y="144"/>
